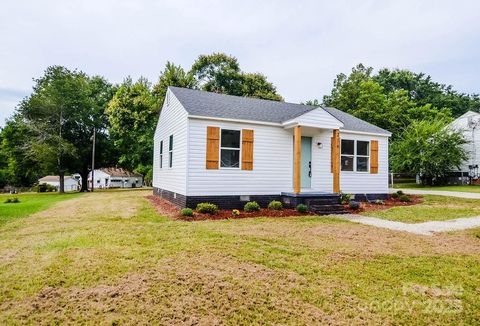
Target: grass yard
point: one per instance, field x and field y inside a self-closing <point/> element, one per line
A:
<point x="462" y="188"/>
<point x="109" y="258"/>
<point x="433" y="208"/>
<point x="29" y="203"/>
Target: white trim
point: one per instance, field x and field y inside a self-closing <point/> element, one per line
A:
<point x="365" y="133"/>
<point x="235" y="120"/>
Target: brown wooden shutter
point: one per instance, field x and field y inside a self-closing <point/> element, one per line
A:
<point x="247" y="149"/>
<point x="213" y="139"/>
<point x="335" y="160"/>
<point x="374" y="156"/>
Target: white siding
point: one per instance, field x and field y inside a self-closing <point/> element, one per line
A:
<point x="172" y="121"/>
<point x="272" y="162"/>
<point x="317" y="118"/>
<point x="322" y="177"/>
<point x="472" y="136"/>
<point x="365" y="182"/>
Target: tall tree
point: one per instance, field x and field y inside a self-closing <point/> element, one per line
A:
<point x="60" y="114"/>
<point x="429" y="149"/>
<point x="133" y="113"/>
<point x="221" y="73"/>
<point x="172" y="75"/>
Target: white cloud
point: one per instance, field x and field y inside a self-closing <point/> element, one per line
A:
<point x="300" y="45"/>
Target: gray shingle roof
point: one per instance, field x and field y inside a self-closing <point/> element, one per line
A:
<point x="215" y="105"/>
<point x="355" y="124"/>
<point x="236" y="107"/>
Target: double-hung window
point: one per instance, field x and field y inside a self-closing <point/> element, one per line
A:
<point x="354" y="155"/>
<point x="161" y="154"/>
<point x="170" y="151"/>
<point x="230" y="148"/>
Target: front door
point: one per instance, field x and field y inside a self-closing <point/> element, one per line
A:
<point x="306" y="164"/>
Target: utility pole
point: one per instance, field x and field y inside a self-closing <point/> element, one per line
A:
<point x="93" y="158"/>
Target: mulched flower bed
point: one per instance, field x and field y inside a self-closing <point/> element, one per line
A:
<point x="389" y="203"/>
<point x="168" y="209"/>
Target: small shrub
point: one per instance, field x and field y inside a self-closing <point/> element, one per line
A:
<point x="12" y="200"/>
<point x="345" y="198"/>
<point x="186" y="212"/>
<point x="207" y="208"/>
<point x="235" y="212"/>
<point x="354" y="205"/>
<point x="404" y="199"/>
<point x="400" y="193"/>
<point x="251" y="206"/>
<point x="275" y="205"/>
<point x="302" y="208"/>
<point x="395" y="195"/>
<point x="379" y="202"/>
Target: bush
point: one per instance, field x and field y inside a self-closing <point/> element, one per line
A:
<point x="395" y="195"/>
<point x="275" y="204"/>
<point x="400" y="193"/>
<point x="302" y="208"/>
<point x="186" y="212"/>
<point x="12" y="200"/>
<point x="345" y="198"/>
<point x="235" y="212"/>
<point x="405" y="199"/>
<point x="251" y="206"/>
<point x="207" y="208"/>
<point x="354" y="205"/>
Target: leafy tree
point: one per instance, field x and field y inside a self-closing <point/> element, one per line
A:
<point x="221" y="73"/>
<point x="60" y="116"/>
<point x="429" y="149"/>
<point x="172" y="75"/>
<point x="133" y="113"/>
<point x="422" y="90"/>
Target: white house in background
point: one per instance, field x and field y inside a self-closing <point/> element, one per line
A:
<point x="70" y="183"/>
<point x="469" y="125"/>
<point x="227" y="150"/>
<point x="115" y="178"/>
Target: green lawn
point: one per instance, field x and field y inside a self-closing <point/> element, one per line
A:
<point x="433" y="208"/>
<point x="463" y="188"/>
<point x="111" y="259"/>
<point x="29" y="203"/>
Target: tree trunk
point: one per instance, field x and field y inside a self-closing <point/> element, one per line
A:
<point x="61" y="176"/>
<point x="84" y="175"/>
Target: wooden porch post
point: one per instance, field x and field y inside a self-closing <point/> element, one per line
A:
<point x="336" y="160"/>
<point x="297" y="153"/>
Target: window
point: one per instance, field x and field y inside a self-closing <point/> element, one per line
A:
<point x="230" y="148"/>
<point x="354" y="155"/>
<point x="347" y="157"/>
<point x="161" y="154"/>
<point x="363" y="151"/>
<point x="170" y="151"/>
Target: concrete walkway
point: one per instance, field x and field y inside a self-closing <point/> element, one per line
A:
<point x="426" y="228"/>
<point x="458" y="194"/>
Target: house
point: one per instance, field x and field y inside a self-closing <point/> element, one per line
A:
<point x="227" y="150"/>
<point x="70" y="183"/>
<point x="115" y="178"/>
<point x="469" y="125"/>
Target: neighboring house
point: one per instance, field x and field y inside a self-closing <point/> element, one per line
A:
<point x="227" y="150"/>
<point x="70" y="183"/>
<point x="115" y="178"/>
<point x="469" y="125"/>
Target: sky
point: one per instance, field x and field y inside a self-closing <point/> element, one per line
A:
<point x="299" y="45"/>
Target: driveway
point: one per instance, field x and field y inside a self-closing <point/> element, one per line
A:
<point x="459" y="194"/>
<point x="426" y="228"/>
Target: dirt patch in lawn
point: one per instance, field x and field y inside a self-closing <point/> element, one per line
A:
<point x="166" y="208"/>
<point x="193" y="288"/>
